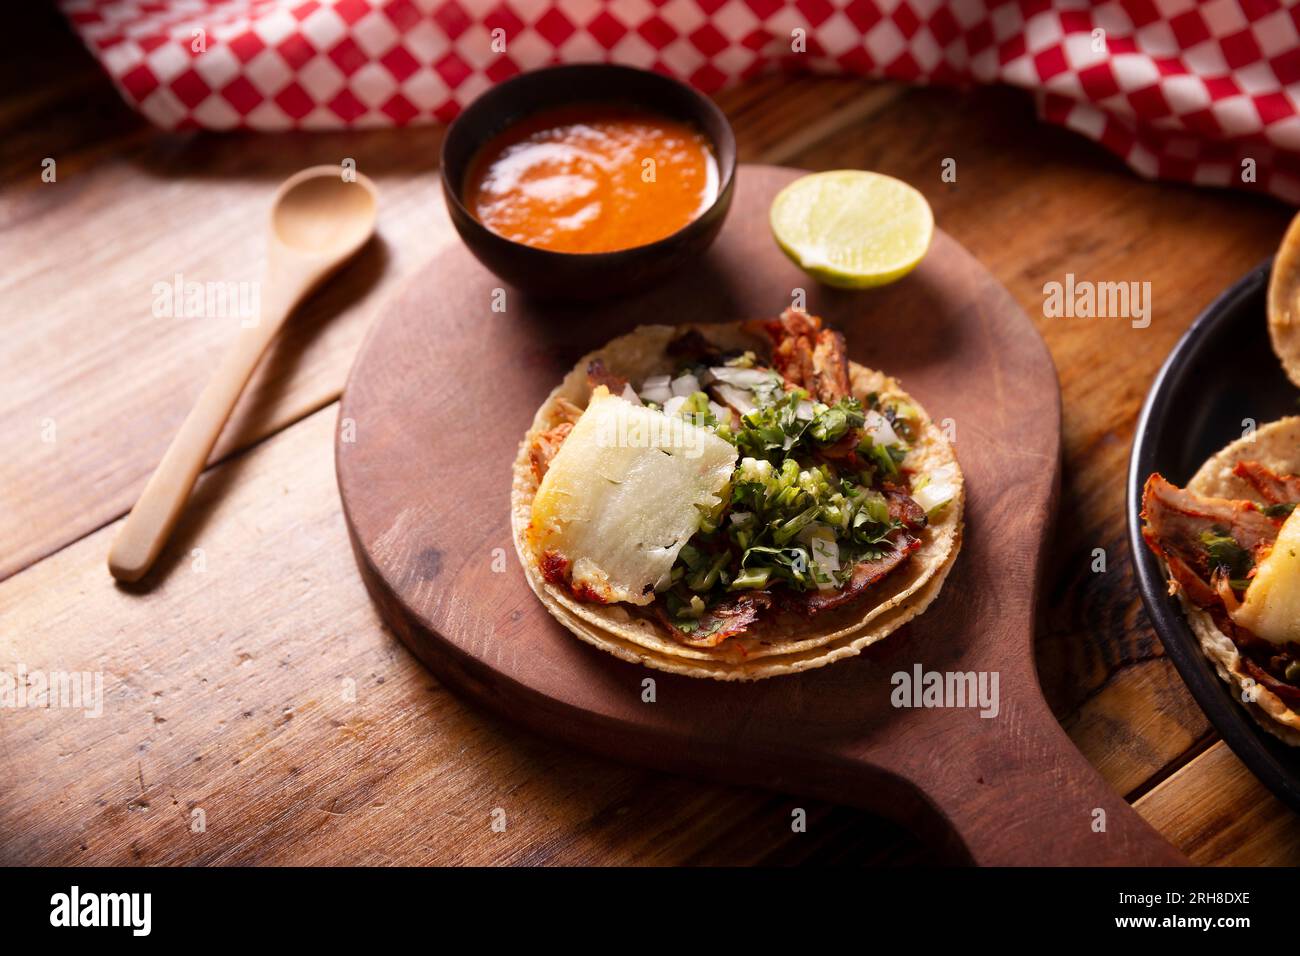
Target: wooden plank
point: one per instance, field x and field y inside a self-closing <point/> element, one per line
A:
<point x="777" y="116"/>
<point x="1034" y="203"/>
<point x="226" y="689"/>
<point x="1131" y="728"/>
<point x="1218" y="813"/>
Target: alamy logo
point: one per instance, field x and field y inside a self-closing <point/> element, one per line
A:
<point x="182" y="299"/>
<point x="657" y="431"/>
<point x="52" y="690"/>
<point x="922" y="688"/>
<point x="75" y="908"/>
<point x="1083" y="299"/>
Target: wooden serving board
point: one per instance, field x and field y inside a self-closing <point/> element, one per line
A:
<point x="440" y="396"/>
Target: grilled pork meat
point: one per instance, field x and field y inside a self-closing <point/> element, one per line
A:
<point x="726" y="619"/>
<point x="598" y="375"/>
<point x="545" y="446"/>
<point x="807" y="355"/>
<point x="1279" y="489"/>
<point x="1197" y="535"/>
<point x="1212" y="546"/>
<point x="865" y="574"/>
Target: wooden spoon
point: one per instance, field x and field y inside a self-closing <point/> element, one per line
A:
<point x="318" y="221"/>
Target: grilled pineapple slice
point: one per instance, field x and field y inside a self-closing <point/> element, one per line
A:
<point x="623" y="495"/>
<point x="1271" y="609"/>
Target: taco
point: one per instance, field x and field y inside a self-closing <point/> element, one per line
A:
<point x="1284" y="302"/>
<point x="734" y="501"/>
<point x="1230" y="543"/>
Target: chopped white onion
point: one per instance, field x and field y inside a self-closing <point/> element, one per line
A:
<point x="820" y="542"/>
<point x="804" y="411"/>
<point x="630" y="396"/>
<point x="750" y="378"/>
<point x="674" y="405"/>
<point x="738" y="398"/>
<point x="657" y="389"/>
<point x="879" y="430"/>
<point x="944" y="473"/>
<point x="721" y="412"/>
<point x="686" y="385"/>
<point x="939" y="490"/>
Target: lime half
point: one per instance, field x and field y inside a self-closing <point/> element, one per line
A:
<point x="852" y="229"/>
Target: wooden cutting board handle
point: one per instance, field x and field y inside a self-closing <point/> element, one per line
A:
<point x="1005" y="791"/>
<point x="1014" y="793"/>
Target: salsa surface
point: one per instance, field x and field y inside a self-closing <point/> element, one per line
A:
<point x="592" y="178"/>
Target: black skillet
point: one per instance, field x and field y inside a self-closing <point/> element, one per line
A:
<point x="1221" y="373"/>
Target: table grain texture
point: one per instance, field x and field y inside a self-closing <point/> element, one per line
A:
<point x="250" y="685"/>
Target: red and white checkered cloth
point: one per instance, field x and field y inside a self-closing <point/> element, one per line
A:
<point x="1200" y="92"/>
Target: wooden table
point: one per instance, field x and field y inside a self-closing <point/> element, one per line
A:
<point x="251" y="680"/>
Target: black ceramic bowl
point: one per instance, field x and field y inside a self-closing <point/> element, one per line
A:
<point x="583" y="276"/>
<point x="1221" y="372"/>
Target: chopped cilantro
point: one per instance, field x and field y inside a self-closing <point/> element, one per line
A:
<point x="1225" y="554"/>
